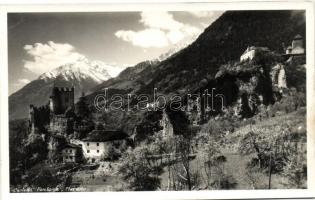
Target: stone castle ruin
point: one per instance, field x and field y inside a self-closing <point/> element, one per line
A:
<point x="61" y="125"/>
<point x="57" y="113"/>
<point x="61" y="99"/>
<point x="61" y="105"/>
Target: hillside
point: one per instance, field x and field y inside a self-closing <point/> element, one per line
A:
<point x="250" y="134"/>
<point x="195" y="67"/>
<point x="225" y="40"/>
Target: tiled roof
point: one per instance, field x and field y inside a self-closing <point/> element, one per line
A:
<point x="71" y="146"/>
<point x="298" y="36"/>
<point x="105" y="135"/>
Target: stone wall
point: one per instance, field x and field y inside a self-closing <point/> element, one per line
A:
<point x="61" y="100"/>
<point x="59" y="124"/>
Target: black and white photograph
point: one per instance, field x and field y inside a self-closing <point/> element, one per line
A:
<point x="157" y="100"/>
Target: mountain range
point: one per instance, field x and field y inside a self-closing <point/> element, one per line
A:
<point x="222" y="42"/>
<point x="86" y="76"/>
<point x="177" y="72"/>
<point x="82" y="74"/>
<point x="194" y="68"/>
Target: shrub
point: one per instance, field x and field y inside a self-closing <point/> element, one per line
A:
<point x="224" y="181"/>
<point x="136" y="169"/>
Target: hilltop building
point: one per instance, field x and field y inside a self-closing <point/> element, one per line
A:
<point x="61" y="105"/>
<point x="251" y="52"/>
<point x="296" y="47"/>
<point x="58" y="113"/>
<point x="61" y="118"/>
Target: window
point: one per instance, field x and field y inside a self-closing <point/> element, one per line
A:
<point x="97" y="144"/>
<point x="88" y="151"/>
<point x="98" y="151"/>
<point x="70" y="151"/>
<point x="88" y="144"/>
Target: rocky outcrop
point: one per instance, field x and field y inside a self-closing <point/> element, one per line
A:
<point x="278" y="76"/>
<point x="193" y="110"/>
<point x="167" y="127"/>
<point x="154" y="122"/>
<point x="282" y="80"/>
<point x="55" y="145"/>
<point x="260" y="82"/>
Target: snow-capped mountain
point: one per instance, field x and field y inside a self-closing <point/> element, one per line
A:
<point x="132" y="72"/>
<point x="80" y="70"/>
<point x="82" y="74"/>
<point x="176" y="48"/>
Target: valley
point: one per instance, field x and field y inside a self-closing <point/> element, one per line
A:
<point x="249" y="134"/>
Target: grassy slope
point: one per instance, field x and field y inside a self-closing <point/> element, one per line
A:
<point x="104" y="180"/>
<point x="236" y="162"/>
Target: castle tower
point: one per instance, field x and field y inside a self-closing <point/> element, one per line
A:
<point x="61" y="99"/>
<point x="53" y="101"/>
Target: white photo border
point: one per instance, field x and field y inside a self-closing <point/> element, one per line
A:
<point x="179" y="6"/>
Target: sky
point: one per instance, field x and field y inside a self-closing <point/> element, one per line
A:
<point x="40" y="42"/>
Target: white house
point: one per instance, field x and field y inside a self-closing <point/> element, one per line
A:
<point x="251" y="52"/>
<point x="98" y="143"/>
<point x="297" y="46"/>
